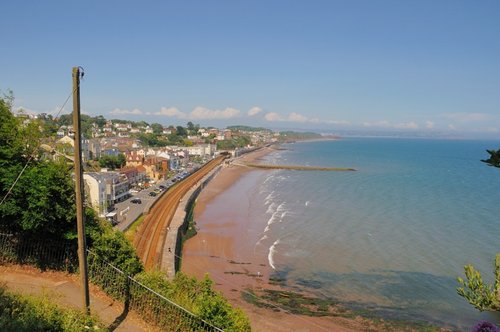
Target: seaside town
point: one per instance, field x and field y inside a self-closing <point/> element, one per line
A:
<point x="131" y="163"/>
<point x="238" y="166"/>
<point x="145" y="181"/>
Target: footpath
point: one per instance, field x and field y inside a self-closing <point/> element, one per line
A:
<point x="171" y="246"/>
<point x="65" y="290"/>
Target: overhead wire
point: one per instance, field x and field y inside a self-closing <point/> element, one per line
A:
<point x="234" y="285"/>
<point x="256" y="296"/>
<point x="32" y="156"/>
<point x="177" y="256"/>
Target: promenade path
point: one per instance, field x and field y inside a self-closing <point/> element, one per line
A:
<point x="151" y="234"/>
<point x="170" y="247"/>
<point x="65" y="290"/>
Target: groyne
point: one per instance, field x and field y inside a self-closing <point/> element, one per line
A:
<point x="300" y="168"/>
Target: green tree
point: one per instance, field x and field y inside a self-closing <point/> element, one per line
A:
<point x="235" y="142"/>
<point x="192" y="128"/>
<point x="152" y="140"/>
<point x="494" y="159"/>
<point x="41" y="201"/>
<point x="48" y="124"/>
<point x="111" y="245"/>
<point x="65" y="120"/>
<point x="181" y="131"/>
<point x="173" y="139"/>
<point x="157" y="128"/>
<point x="86" y="123"/>
<point x="482" y="296"/>
<point x="100" y="121"/>
<point x="11" y="149"/>
<point x="112" y="162"/>
<point x="121" y="160"/>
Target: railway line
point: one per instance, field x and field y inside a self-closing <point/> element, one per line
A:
<point x="151" y="234"/>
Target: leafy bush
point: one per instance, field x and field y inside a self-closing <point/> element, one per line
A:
<point x="112" y="162"/>
<point x="112" y="246"/>
<point x="41" y="202"/>
<point x="199" y="297"/>
<point x="482" y="296"/>
<point x="235" y="142"/>
<point x="29" y="313"/>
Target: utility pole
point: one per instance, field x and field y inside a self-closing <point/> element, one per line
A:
<point x="80" y="217"/>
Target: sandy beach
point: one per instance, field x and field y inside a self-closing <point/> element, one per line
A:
<point x="225" y="249"/>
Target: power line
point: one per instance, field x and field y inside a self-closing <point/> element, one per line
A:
<point x="65" y="102"/>
<point x="250" y="293"/>
<point x="31" y="157"/>
<point x="17" y="179"/>
<point x="256" y="296"/>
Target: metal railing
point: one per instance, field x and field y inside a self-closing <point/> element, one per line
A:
<point x="150" y="305"/>
<point x="46" y="256"/>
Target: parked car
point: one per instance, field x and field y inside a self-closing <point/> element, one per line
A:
<point x="162" y="187"/>
<point x="153" y="194"/>
<point x="136" y="201"/>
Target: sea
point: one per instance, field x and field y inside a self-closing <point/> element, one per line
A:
<point x="391" y="237"/>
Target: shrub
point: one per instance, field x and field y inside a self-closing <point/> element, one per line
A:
<point x="112" y="246"/>
<point x="198" y="297"/>
<point x="30" y="313"/>
<point x="482" y="296"/>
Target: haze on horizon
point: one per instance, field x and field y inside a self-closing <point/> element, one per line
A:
<point x="431" y="67"/>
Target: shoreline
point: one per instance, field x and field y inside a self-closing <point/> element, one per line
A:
<point x="225" y="249"/>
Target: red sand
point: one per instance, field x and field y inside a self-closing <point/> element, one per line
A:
<point x="217" y="244"/>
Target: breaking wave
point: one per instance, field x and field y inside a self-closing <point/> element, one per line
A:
<point x="272" y="251"/>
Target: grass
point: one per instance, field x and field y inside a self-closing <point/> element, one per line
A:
<point x="190" y="230"/>
<point x="132" y="230"/>
<point x="187" y="230"/>
<point x="38" y="313"/>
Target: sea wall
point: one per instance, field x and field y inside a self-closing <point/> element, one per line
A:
<point x="172" y="248"/>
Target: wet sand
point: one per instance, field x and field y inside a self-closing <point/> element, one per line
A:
<point x="225" y="249"/>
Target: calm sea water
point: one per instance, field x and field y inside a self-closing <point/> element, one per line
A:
<point x="392" y="236"/>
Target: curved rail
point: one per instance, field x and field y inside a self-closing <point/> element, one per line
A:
<point x="152" y="232"/>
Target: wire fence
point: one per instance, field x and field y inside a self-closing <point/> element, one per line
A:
<point x="45" y="256"/>
<point x="150" y="305"/>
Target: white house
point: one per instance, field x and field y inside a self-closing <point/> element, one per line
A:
<point x="202" y="150"/>
<point x="105" y="189"/>
<point x="95" y="188"/>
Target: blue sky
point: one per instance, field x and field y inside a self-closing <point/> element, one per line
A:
<point x="427" y="66"/>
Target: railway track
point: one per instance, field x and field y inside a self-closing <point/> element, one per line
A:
<point x="152" y="232"/>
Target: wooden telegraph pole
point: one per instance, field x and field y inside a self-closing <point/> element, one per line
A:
<point x="80" y="217"/>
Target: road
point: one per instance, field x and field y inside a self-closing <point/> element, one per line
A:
<point x="128" y="212"/>
<point x="151" y="234"/>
